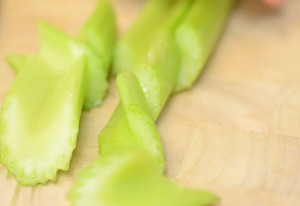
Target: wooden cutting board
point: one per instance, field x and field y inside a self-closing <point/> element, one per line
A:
<point x="235" y="133"/>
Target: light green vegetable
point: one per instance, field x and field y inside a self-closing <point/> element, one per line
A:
<point x="129" y="171"/>
<point x="96" y="38"/>
<point x="138" y="39"/>
<point x="131" y="179"/>
<point x="142" y="95"/>
<point x="99" y="35"/>
<point x="197" y="35"/>
<point x="41" y="113"/>
<point x="133" y="124"/>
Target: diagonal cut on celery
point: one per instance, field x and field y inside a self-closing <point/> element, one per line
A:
<point x="40" y="117"/>
<point x="41" y="113"/>
<point x="129" y="178"/>
<point x="97" y="38"/>
<point x="197" y="35"/>
<point x="152" y="86"/>
<point x="157" y="74"/>
<point x="138" y="39"/>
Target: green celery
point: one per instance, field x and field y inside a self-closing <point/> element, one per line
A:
<point x="41" y="113"/>
<point x="138" y="39"/>
<point x="97" y="38"/>
<point x="197" y="35"/>
<point x="99" y="34"/>
<point x="130" y="179"/>
<point x="157" y="74"/>
<point x="122" y="176"/>
<point x="126" y="127"/>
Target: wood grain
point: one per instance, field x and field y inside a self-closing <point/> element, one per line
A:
<point x="235" y="133"/>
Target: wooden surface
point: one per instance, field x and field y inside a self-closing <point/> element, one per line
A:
<point x="235" y="133"/>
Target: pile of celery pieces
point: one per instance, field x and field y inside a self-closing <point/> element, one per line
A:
<point x="162" y="53"/>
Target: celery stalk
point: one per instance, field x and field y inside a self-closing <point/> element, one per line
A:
<point x="137" y="40"/>
<point x="131" y="125"/>
<point x="157" y="74"/>
<point x="97" y="38"/>
<point x="99" y="35"/>
<point x="131" y="179"/>
<point x="40" y="115"/>
<point x="129" y="171"/>
<point x="40" y="118"/>
<point x="197" y="35"/>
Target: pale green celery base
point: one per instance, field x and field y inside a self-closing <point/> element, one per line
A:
<point x="129" y="178"/>
<point x="40" y="120"/>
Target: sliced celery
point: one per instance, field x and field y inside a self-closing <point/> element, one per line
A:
<point x="41" y="113"/>
<point x="97" y="38"/>
<point x="138" y="39"/>
<point x="154" y="68"/>
<point x="40" y="118"/>
<point x="142" y="98"/>
<point x="156" y="73"/>
<point x="197" y="35"/>
<point x="131" y="179"/>
<point x="99" y="35"/>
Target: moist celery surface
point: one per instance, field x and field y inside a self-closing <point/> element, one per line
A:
<point x="41" y="113"/>
<point x="129" y="172"/>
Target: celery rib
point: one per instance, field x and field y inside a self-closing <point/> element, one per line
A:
<point x="197" y="35"/>
<point x="129" y="172"/>
<point x="41" y="113"/>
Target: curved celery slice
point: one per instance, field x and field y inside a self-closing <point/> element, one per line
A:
<point x="156" y="71"/>
<point x="131" y="179"/>
<point x="197" y="35"/>
<point x="138" y="39"/>
<point x="96" y="38"/>
<point x="40" y="116"/>
<point x="99" y="35"/>
<point x="143" y="95"/>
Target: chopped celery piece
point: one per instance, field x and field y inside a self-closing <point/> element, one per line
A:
<point x="156" y="73"/>
<point x="133" y="123"/>
<point x="154" y="69"/>
<point x="40" y="119"/>
<point x="131" y="179"/>
<point x="136" y="42"/>
<point x="197" y="35"/>
<point x="40" y="115"/>
<point x="97" y="38"/>
<point x="99" y="35"/>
